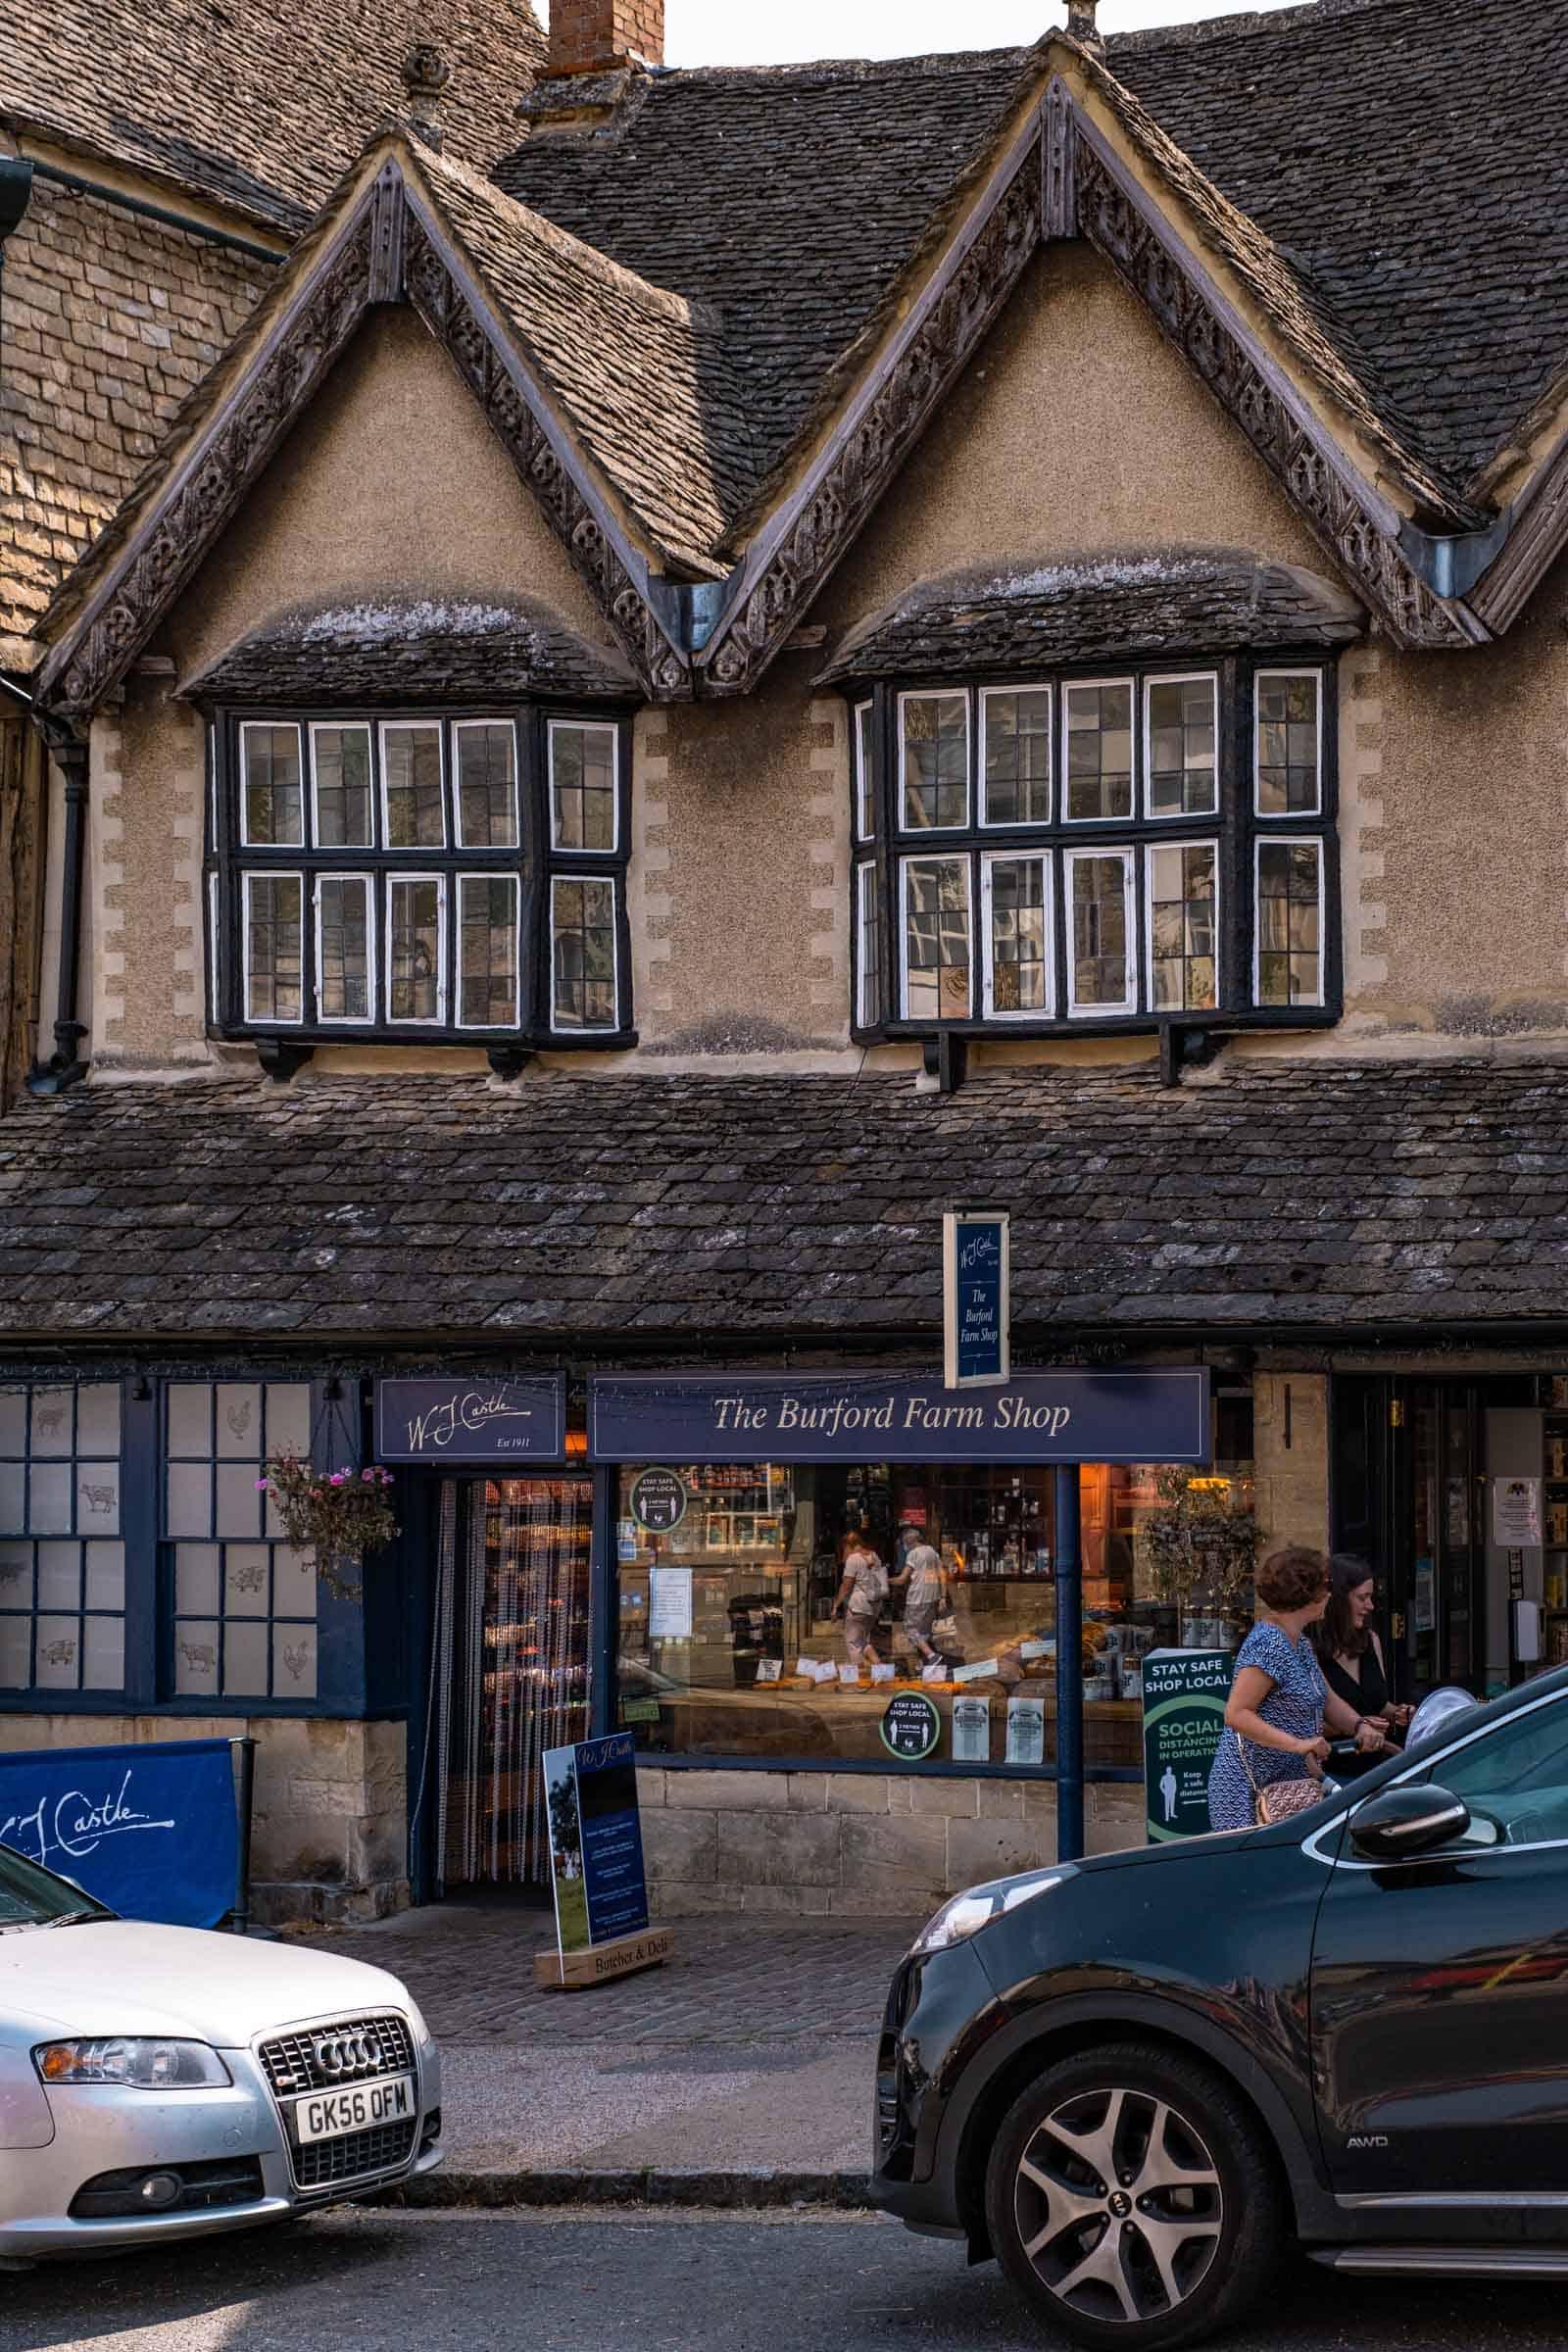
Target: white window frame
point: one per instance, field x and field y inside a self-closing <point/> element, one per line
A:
<point x="988" y="824"/>
<point x="463" y="726"/>
<point x="341" y="726"/>
<point x="1046" y="859"/>
<point x="347" y="1020"/>
<point x="863" y="768"/>
<point x="281" y="873"/>
<point x="1284" y="816"/>
<point x="965" y="859"/>
<point x="563" y="1028"/>
<point x="1289" y="841"/>
<point x="584" y="726"/>
<point x="273" y="726"/>
<point x="1178" y="677"/>
<point x="214" y="1009"/>
<point x="1152" y="850"/>
<point x="937" y="694"/>
<point x="866" y="914"/>
<point x="465" y="881"/>
<point x="1129" y="1003"/>
<point x="1070" y="686"/>
<point x="411" y="849"/>
<point x="438" y="1019"/>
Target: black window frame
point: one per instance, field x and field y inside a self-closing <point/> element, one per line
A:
<point x="536" y="862"/>
<point x="1235" y="827"/>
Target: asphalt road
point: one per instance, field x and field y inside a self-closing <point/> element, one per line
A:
<point x="418" y="2282"/>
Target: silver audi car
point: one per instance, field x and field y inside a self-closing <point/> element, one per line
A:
<point x="165" y="2082"/>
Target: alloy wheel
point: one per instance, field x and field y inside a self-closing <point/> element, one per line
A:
<point x="1118" y="2205"/>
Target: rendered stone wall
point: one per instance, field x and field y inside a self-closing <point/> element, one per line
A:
<point x="329" y="1822"/>
<point x="853" y="1845"/>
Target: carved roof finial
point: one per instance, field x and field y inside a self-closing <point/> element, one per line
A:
<point x="1081" y="25"/>
<point x="425" y="74"/>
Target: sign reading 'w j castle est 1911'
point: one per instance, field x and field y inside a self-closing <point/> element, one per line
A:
<point x="470" y="1419"/>
<point x="1150" y="1416"/>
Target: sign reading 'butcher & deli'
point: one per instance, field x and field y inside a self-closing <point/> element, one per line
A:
<point x="1159" y="1415"/>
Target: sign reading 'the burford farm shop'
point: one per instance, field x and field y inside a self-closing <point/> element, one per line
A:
<point x="1159" y="1415"/>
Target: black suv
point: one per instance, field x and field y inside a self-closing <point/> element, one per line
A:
<point x="1132" y="2079"/>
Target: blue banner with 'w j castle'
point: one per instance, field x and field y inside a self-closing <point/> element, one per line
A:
<point x="152" y="1831"/>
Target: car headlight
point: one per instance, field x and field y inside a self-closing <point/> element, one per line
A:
<point x="136" y="2063"/>
<point x="978" y="1906"/>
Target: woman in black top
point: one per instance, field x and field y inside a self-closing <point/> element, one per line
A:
<point x="1349" y="1649"/>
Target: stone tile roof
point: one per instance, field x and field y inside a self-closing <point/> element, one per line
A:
<point x="1301" y="1196"/>
<point x="1407" y="157"/>
<point x="1022" y="616"/>
<point x="377" y="655"/>
<point x="257" y="104"/>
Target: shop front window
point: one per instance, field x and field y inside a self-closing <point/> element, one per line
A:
<point x="774" y="1610"/>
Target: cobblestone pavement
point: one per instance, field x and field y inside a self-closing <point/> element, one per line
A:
<point x="729" y="1981"/>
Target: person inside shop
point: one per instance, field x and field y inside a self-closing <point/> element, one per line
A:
<point x="924" y="1582"/>
<point x="1349" y="1649"/>
<point x="861" y="1598"/>
<point x="1273" y="1749"/>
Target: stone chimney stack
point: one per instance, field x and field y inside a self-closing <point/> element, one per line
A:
<point x="1081" y="25"/>
<point x="594" y="36"/>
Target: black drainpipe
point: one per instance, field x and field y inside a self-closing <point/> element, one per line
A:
<point x="66" y="1064"/>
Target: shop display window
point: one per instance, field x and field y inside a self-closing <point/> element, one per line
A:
<point x="62" y="1552"/>
<point x="245" y="1604"/>
<point x="788" y="1603"/>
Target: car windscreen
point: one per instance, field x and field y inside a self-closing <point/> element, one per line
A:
<point x="29" y="1897"/>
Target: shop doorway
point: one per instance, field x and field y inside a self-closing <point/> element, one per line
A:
<point x="509" y="1671"/>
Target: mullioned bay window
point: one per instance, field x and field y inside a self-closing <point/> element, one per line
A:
<point x="1067" y="851"/>
<point x="418" y="878"/>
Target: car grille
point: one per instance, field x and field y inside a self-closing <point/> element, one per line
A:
<point x="293" y="2066"/>
<point x="327" y="2162"/>
<point x="887" y="2117"/>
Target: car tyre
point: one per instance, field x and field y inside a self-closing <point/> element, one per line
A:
<point x="1134" y="2201"/>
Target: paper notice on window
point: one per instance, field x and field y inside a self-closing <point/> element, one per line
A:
<point x="975" y="1673"/>
<point x="670" y="1607"/>
<point x="1026" y="1731"/>
<point x="971" y="1730"/>
<point x="1515" y="1511"/>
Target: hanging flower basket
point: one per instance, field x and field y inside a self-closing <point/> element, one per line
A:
<point x="339" y="1515"/>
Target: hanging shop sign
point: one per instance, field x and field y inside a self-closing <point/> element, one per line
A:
<point x="472" y="1420"/>
<point x="1158" y="1415"/>
<point x="912" y="1725"/>
<point x="152" y="1831"/>
<point x="1184" y="1714"/>
<point x="596" y="1864"/>
<point x="975" y="1300"/>
<point x="659" y="1500"/>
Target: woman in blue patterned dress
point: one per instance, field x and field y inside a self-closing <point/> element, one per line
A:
<point x="1279" y="1702"/>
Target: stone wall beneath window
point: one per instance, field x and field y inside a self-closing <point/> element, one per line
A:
<point x="329" y="1818"/>
<point x="848" y="1844"/>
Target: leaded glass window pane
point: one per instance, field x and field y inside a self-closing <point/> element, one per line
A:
<point x="487" y="785"/>
<point x="342" y="757"/>
<point x="411" y="762"/>
<point x="415" y="947"/>
<point x="1183" y="943"/>
<point x="1019" y="942"/>
<point x="582" y="788"/>
<point x="936" y="759"/>
<point x="868" y="945"/>
<point x="487" y="951"/>
<point x="1183" y="771"/>
<point x="1017" y="756"/>
<point x="582" y="953"/>
<point x="344" y="989"/>
<point x="865" y="774"/>
<point x="1100" y="751"/>
<point x="1289" y="942"/>
<point x="272" y="801"/>
<point x="1289" y="745"/>
<point x="275" y="971"/>
<point x="1100" y="890"/>
<point x="937" y="935"/>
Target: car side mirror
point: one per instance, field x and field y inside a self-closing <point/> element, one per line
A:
<point x="1399" y="1823"/>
